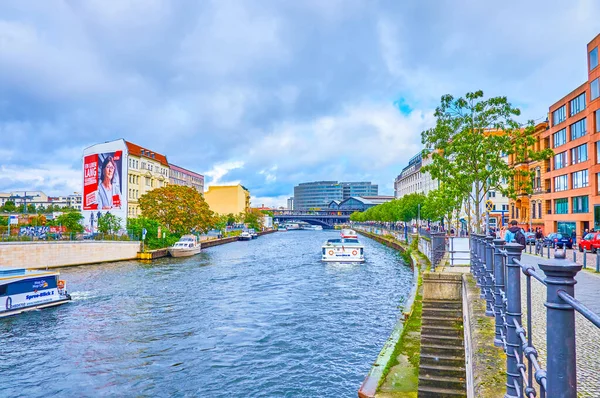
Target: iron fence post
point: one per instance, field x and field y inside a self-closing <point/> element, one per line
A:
<point x="498" y="285"/>
<point x="597" y="262"/>
<point x="489" y="272"/>
<point x="514" y="349"/>
<point x="560" y="329"/>
<point x="477" y="259"/>
<point x="574" y="256"/>
<point x="584" y="258"/>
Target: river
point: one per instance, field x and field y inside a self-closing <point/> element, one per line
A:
<point x="263" y="318"/>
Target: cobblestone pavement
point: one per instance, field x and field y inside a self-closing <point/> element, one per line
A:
<point x="587" y="290"/>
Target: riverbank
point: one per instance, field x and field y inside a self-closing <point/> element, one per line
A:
<point x="395" y="373"/>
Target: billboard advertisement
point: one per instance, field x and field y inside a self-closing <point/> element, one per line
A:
<point x="104" y="182"/>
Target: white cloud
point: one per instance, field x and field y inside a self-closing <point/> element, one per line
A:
<point x="219" y="171"/>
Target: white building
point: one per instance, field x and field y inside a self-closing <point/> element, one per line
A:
<point x="40" y="199"/>
<point x="413" y="180"/>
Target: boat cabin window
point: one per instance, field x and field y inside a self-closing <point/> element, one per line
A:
<point x="3" y="290"/>
<point x="347" y="240"/>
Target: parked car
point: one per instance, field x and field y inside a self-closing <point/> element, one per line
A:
<point x="590" y="242"/>
<point x="529" y="237"/>
<point x="558" y="240"/>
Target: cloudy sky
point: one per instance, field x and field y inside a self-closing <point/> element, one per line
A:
<point x="268" y="93"/>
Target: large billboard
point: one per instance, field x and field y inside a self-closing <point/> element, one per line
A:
<point x="104" y="182"/>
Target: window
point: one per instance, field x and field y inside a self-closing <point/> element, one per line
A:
<point x="560" y="160"/>
<point x="533" y="211"/>
<point x="561" y="206"/>
<point x="559" y="138"/>
<point x="580" y="204"/>
<point x="598" y="182"/>
<point x="594" y="89"/>
<point x="559" y="115"/>
<point x="578" y="129"/>
<point x="580" y="179"/>
<point x="540" y="209"/>
<point x="594" y="58"/>
<point x="597" y="120"/>
<point x="579" y="154"/>
<point x="147" y="181"/>
<point x="560" y="183"/>
<point x="577" y="104"/>
<point x="538" y="179"/>
<point x="505" y="207"/>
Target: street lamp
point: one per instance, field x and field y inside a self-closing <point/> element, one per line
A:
<point x="24" y="197"/>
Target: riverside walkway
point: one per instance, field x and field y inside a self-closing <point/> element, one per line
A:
<point x="587" y="346"/>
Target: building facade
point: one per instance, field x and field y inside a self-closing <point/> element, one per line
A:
<point x="412" y="179"/>
<point x="571" y="202"/>
<point x="180" y="176"/>
<point x="290" y="203"/>
<point x="319" y="194"/>
<point x="529" y="209"/>
<point x="230" y="199"/>
<point x="39" y="199"/>
<point x="146" y="170"/>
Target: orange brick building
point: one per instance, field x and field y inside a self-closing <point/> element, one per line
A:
<point x="571" y="201"/>
<point x="529" y="209"/>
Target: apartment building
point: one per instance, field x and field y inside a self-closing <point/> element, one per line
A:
<point x="39" y="199"/>
<point x="146" y="170"/>
<point x="412" y="179"/>
<point x="228" y="199"/>
<point x="572" y="201"/>
<point x="529" y="209"/>
<point x="180" y="176"/>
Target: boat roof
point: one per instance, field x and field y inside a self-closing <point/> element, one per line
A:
<point x="17" y="274"/>
<point x="342" y="242"/>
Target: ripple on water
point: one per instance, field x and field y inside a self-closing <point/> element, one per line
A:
<point x="262" y="318"/>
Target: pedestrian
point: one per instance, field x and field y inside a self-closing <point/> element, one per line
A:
<point x="515" y="234"/>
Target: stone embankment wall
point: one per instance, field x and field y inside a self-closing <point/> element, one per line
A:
<point x="60" y="254"/>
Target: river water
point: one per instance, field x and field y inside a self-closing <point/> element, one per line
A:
<point x="264" y="318"/>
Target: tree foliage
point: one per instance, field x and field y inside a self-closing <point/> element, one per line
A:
<point x="254" y="219"/>
<point x="152" y="240"/>
<point x="71" y="221"/>
<point x="179" y="208"/>
<point x="470" y="143"/>
<point x="109" y="223"/>
<point x="404" y="209"/>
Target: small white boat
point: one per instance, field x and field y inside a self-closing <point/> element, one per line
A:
<point x="281" y="228"/>
<point x="292" y="226"/>
<point x="348" y="233"/>
<point x="24" y="290"/>
<point x="343" y="250"/>
<point x="253" y="233"/>
<point x="186" y="246"/>
<point x="310" y="227"/>
<point x="245" y="235"/>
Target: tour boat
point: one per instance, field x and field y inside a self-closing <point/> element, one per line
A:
<point x="348" y="233"/>
<point x="310" y="227"/>
<point x="343" y="250"/>
<point x="24" y="290"/>
<point x="245" y="235"/>
<point x="282" y="228"/>
<point x="253" y="233"/>
<point x="292" y="226"/>
<point x="187" y="246"/>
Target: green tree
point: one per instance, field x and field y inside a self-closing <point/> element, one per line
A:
<point x="153" y="240"/>
<point x="71" y="221"/>
<point x="254" y="219"/>
<point x="9" y="206"/>
<point x="108" y="223"/>
<point x="179" y="208"/>
<point x="470" y="143"/>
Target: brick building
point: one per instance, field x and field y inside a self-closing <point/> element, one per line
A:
<point x="571" y="201"/>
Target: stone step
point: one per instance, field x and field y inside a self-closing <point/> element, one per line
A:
<point x="435" y="392"/>
<point x="442" y="304"/>
<point x="442" y="349"/>
<point x="442" y="330"/>
<point x="443" y="360"/>
<point x="442" y="312"/>
<point x="451" y="383"/>
<point x="440" y="321"/>
<point x="442" y="340"/>
<point x="443" y="371"/>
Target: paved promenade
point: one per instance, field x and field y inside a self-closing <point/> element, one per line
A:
<point x="587" y="290"/>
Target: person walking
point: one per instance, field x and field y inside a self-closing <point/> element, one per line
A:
<point x="515" y="234"/>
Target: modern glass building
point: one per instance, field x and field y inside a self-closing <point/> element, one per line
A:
<point x="318" y="195"/>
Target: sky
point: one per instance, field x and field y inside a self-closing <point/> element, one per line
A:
<point x="267" y="93"/>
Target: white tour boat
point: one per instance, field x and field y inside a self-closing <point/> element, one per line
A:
<point x="347" y="248"/>
<point x="186" y="246"/>
<point x="253" y="233"/>
<point x="245" y="235"/>
<point x="348" y="233"/>
<point x="310" y="227"/>
<point x="24" y="290"/>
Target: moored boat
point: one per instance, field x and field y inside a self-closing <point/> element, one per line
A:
<point x="24" y="290"/>
<point x="245" y="235"/>
<point x="186" y="246"/>
<point x="253" y="233"/>
<point x="348" y="233"/>
<point x="343" y="250"/>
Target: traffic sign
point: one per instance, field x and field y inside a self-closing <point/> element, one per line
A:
<point x="489" y="206"/>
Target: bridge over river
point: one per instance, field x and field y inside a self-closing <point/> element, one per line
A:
<point x="326" y="219"/>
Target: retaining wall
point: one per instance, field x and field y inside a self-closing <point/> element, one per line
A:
<point x="60" y="254"/>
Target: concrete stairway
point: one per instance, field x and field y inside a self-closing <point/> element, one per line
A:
<point x="442" y="367"/>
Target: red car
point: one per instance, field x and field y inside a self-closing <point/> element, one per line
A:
<point x="590" y="242"/>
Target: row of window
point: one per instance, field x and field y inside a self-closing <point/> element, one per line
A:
<point x="133" y="194"/>
<point x="576" y="105"/>
<point x="579" y="204"/>
<point x="579" y="179"/>
<point x="578" y="154"/>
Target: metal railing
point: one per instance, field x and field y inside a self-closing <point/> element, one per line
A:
<point x="497" y="268"/>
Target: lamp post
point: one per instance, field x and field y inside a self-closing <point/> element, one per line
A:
<point x="24" y="197"/>
<point x="530" y="212"/>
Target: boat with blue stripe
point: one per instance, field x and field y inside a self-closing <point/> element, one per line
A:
<point x="24" y="290"/>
